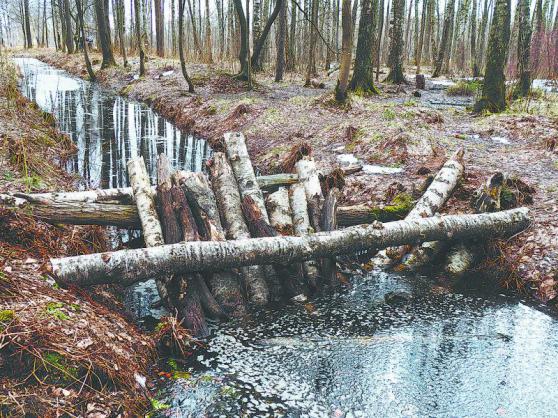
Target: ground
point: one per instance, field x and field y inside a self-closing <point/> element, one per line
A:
<point x="395" y="129"/>
<point x="62" y="351"/>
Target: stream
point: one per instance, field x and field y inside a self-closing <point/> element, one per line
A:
<point x="469" y="352"/>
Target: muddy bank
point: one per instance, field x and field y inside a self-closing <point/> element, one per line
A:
<point x="395" y="130"/>
<point x="62" y="351"/>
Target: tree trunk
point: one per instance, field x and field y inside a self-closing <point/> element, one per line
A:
<point x="129" y="266"/>
<point x="363" y="72"/>
<point x="260" y="43"/>
<point x="301" y="223"/>
<point x="85" y="52"/>
<point x="181" y="4"/>
<point x="121" y="30"/>
<point x="420" y="43"/>
<point x="281" y="42"/>
<point x="103" y="33"/>
<point x="291" y="50"/>
<point x="311" y="69"/>
<point x="229" y="204"/>
<point x="524" y="49"/>
<point x="445" y="44"/>
<point x="208" y="41"/>
<point x="137" y="12"/>
<point x="493" y="96"/>
<point x="474" y="63"/>
<point x="204" y="208"/>
<point x="68" y="35"/>
<point x="328" y="224"/>
<point x="160" y="27"/>
<point x="396" y="44"/>
<point x="197" y="43"/>
<point x="378" y="55"/>
<point x="27" y="19"/>
<point x="430" y="202"/>
<point x="244" y="73"/>
<point x="308" y="176"/>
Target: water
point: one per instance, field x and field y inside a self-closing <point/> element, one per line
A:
<point x="107" y="129"/>
<point x="350" y="354"/>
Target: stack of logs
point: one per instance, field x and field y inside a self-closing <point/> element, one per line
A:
<point x="215" y="245"/>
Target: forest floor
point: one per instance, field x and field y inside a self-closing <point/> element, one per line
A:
<point x="62" y="351"/>
<point x="406" y="136"/>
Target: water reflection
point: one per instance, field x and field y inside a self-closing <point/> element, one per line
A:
<point x="107" y="129"/>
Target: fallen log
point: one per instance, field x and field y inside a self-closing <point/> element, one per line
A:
<point x="126" y="215"/>
<point x="129" y="266"/>
<point x="429" y="204"/>
<point x="182" y="290"/>
<point x="223" y="284"/>
<point x="308" y="176"/>
<point x="329" y="223"/>
<point x="279" y="210"/>
<point x="239" y="159"/>
<point x="301" y="224"/>
<point x="229" y="204"/>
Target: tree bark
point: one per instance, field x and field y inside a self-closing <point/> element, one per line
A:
<point x="523" y="49"/>
<point x="396" y="44"/>
<point x="85" y="52"/>
<point x="139" y="40"/>
<point x="68" y="33"/>
<point x="160" y="27"/>
<point x="121" y="30"/>
<point x="431" y="201"/>
<point x="204" y="208"/>
<point x="362" y="81"/>
<point x="103" y="32"/>
<point x="259" y="44"/>
<point x="229" y="204"/>
<point x="181" y="4"/>
<point x="308" y="176"/>
<point x="130" y="266"/>
<point x="493" y="96"/>
<point x="281" y="42"/>
<point x="346" y="52"/>
<point x="445" y="42"/>
<point x="244" y="73"/>
<point x="328" y="224"/>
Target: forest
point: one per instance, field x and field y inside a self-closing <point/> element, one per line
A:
<point x="322" y="208"/>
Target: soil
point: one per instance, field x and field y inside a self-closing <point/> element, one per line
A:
<point x="62" y="351"/>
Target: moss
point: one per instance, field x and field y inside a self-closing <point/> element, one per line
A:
<point x="6" y="316"/>
<point x="507" y="198"/>
<point x="464" y="88"/>
<point x="58" y="370"/>
<point x="400" y="206"/>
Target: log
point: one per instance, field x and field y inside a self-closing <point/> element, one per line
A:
<point x="126" y="215"/>
<point x="130" y="266"/>
<point x="202" y="202"/>
<point x="329" y="223"/>
<point x="74" y="212"/>
<point x="301" y="224"/>
<point x="279" y="209"/>
<point x="190" y="233"/>
<point x="238" y="156"/>
<point x="183" y="293"/>
<point x="239" y="159"/>
<point x="487" y="198"/>
<point x="309" y="177"/>
<point x="229" y="205"/>
<point x="429" y="204"/>
<point x="292" y="274"/>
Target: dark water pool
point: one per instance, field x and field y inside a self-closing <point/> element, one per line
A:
<point x="108" y="129"/>
<point x="349" y="354"/>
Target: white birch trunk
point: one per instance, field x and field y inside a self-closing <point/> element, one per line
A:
<point x="129" y="266"/>
<point x="229" y="204"/>
<point x="145" y="202"/>
<point x="308" y="176"/>
<point x="279" y="210"/>
<point x="301" y="223"/>
<point x="431" y="201"/>
<point x="239" y="158"/>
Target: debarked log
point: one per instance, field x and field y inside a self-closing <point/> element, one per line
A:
<point x="129" y="266"/>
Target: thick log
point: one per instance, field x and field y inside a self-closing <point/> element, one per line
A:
<point x="279" y="210"/>
<point x="301" y="223"/>
<point x="429" y="204"/>
<point x="292" y="274"/>
<point x="309" y="177"/>
<point x="229" y="204"/>
<point x="223" y="284"/>
<point x="183" y="293"/>
<point x="129" y="266"/>
<point x="237" y="153"/>
<point x="329" y="223"/>
<point x="366" y="214"/>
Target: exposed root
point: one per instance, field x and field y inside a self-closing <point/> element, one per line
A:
<point x="296" y="153"/>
